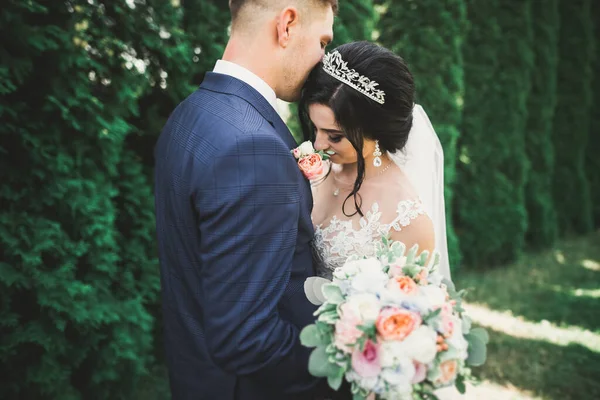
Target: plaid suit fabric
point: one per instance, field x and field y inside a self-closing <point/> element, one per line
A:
<point x="234" y="232"/>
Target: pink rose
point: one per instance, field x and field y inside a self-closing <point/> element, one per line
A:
<point x="312" y="166"/>
<point x="396" y="268"/>
<point x="404" y="283"/>
<point x="422" y="277"/>
<point x="447" y="319"/>
<point x="396" y="324"/>
<point x="449" y="370"/>
<point x="366" y="362"/>
<point x="420" y="373"/>
<point x="296" y="153"/>
<point x="346" y="331"/>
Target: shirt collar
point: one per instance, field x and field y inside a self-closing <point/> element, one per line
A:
<point x="245" y="75"/>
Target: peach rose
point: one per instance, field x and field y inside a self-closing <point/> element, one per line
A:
<point x="312" y="166"/>
<point x="404" y="283"/>
<point x="396" y="324"/>
<point x="449" y="370"/>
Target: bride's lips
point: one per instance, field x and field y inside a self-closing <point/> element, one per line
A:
<point x="330" y="153"/>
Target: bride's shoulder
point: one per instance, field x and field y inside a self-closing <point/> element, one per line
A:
<point x="411" y="224"/>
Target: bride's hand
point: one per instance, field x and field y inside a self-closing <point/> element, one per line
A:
<point x="371" y="396"/>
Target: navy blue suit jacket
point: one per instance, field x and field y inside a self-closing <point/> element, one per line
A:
<point x="234" y="231"/>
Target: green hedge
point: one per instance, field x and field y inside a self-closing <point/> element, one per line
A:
<point x="429" y="36"/>
<point x="592" y="157"/>
<point x="543" y="225"/>
<point x="489" y="203"/>
<point x="572" y="117"/>
<point x="78" y="273"/>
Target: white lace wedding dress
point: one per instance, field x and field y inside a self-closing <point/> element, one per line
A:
<point x="340" y="239"/>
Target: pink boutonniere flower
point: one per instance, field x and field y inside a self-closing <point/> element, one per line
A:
<point x="310" y="161"/>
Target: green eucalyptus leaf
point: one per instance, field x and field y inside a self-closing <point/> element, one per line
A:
<point x="477" y="350"/>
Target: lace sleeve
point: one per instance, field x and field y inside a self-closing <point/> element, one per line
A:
<point x="406" y="211"/>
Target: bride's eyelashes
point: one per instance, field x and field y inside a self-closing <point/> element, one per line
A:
<point x="336" y="139"/>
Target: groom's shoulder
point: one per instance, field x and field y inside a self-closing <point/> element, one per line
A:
<point x="222" y="111"/>
<point x="222" y="122"/>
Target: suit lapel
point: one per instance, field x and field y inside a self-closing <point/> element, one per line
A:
<point x="227" y="84"/>
<point x="230" y="85"/>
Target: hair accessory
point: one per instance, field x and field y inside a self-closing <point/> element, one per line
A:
<point x="335" y="66"/>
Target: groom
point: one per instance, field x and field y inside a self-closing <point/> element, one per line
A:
<point x="233" y="214"/>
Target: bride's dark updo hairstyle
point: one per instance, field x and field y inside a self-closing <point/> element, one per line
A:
<point x="357" y="115"/>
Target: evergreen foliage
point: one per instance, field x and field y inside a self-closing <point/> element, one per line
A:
<point x="592" y="158"/>
<point x="79" y="277"/>
<point x="489" y="203"/>
<point x="543" y="223"/>
<point x="572" y="118"/>
<point x="429" y="36"/>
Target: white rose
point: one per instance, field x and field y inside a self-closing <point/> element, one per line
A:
<point x="367" y="383"/>
<point x="366" y="305"/>
<point x="457" y="341"/>
<point x="435" y="295"/>
<point x="361" y="265"/>
<point x="387" y="353"/>
<point x="421" y="344"/>
<point x="370" y="281"/>
<point x="400" y="375"/>
<point x="396" y="266"/>
<point x="306" y="149"/>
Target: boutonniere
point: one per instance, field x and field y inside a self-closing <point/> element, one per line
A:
<point x="310" y="161"/>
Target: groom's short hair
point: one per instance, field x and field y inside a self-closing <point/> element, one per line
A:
<point x="236" y="6"/>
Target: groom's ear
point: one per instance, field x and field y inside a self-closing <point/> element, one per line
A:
<point x="287" y="22"/>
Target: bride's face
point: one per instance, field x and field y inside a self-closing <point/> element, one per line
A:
<point x="331" y="138"/>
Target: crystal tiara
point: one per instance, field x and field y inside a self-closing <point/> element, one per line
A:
<point x="338" y="68"/>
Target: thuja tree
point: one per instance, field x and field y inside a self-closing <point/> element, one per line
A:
<point x="429" y="36"/>
<point x="490" y="190"/>
<point x="543" y="224"/>
<point x="592" y="159"/>
<point x="572" y="119"/>
<point x="77" y="259"/>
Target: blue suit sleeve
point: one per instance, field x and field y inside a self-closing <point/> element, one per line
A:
<point x="248" y="206"/>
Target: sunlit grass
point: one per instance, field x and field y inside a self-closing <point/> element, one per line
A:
<point x="544" y="330"/>
<point x="543" y="317"/>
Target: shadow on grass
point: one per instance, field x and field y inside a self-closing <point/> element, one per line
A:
<point x="543" y="286"/>
<point x="545" y="369"/>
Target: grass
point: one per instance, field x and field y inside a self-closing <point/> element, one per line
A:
<point x="543" y="315"/>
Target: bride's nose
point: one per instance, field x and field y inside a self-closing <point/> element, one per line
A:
<point x="321" y="142"/>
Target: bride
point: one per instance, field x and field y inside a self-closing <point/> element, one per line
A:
<point x="386" y="171"/>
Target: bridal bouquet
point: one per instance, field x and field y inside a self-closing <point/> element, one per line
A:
<point x="390" y="325"/>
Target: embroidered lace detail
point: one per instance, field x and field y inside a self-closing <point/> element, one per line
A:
<point x="336" y="242"/>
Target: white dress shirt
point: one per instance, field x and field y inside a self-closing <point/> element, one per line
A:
<point x="244" y="75"/>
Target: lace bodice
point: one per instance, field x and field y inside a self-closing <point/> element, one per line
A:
<point x="334" y="243"/>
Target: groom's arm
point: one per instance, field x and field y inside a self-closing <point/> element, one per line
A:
<point x="248" y="206"/>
